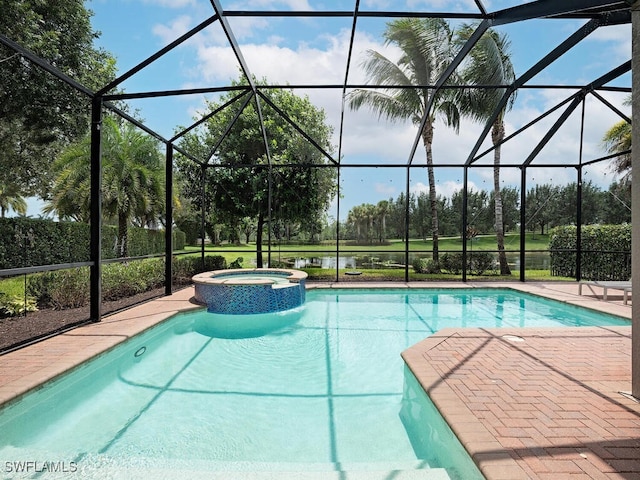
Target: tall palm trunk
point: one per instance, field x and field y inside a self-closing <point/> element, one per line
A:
<point x="497" y="135"/>
<point x="259" y="229"/>
<point x="122" y="247"/>
<point x="427" y="139"/>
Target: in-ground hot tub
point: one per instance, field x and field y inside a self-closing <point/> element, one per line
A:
<point x="250" y="290"/>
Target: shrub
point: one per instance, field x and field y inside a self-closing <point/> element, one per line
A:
<point x="606" y="251"/>
<point x="186" y="267"/>
<point x="480" y="262"/>
<point x="216" y="262"/>
<point x="422" y="265"/>
<point x="451" y="262"/>
<point x="69" y="288"/>
<point x="237" y="263"/>
<point x="121" y="280"/>
<point x="419" y="265"/>
<point x="179" y="239"/>
<point x="273" y="264"/>
<point x="60" y="289"/>
<point x="183" y="269"/>
<point x="432" y="267"/>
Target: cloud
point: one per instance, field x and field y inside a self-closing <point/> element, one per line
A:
<point x="618" y="39"/>
<point x="177" y="27"/>
<point x="270" y="5"/>
<point x="444" y="189"/>
<point x="385" y="190"/>
<point x="172" y="3"/>
<point x="320" y="57"/>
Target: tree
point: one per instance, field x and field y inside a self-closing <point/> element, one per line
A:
<point x="616" y="204"/>
<point x="618" y="139"/>
<point x="40" y="114"/>
<point x="356" y="218"/>
<point x="510" y="207"/>
<point x="10" y="199"/>
<point x="244" y="179"/>
<point x="397" y="218"/>
<point x="427" y="49"/>
<point x="539" y="203"/>
<point x="564" y="206"/>
<point x="421" y="213"/>
<point x="488" y="63"/>
<point x="383" y="208"/>
<point x="132" y="179"/>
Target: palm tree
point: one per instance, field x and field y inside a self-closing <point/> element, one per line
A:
<point x="618" y="139"/>
<point x="427" y="49"/>
<point x="132" y="179"/>
<point x="355" y="216"/>
<point x="369" y="212"/>
<point x="11" y="199"/>
<point x="383" y="207"/>
<point x="488" y="63"/>
<point x="70" y="194"/>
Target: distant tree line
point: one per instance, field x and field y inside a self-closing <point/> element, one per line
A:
<point x="547" y="206"/>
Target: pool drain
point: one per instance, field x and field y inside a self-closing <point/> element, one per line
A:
<point x="140" y="352"/>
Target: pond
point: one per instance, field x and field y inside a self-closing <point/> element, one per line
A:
<point x="534" y="261"/>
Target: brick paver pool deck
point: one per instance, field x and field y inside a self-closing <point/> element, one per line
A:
<point x="525" y="403"/>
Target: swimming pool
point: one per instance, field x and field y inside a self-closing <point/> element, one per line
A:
<point x="323" y="390"/>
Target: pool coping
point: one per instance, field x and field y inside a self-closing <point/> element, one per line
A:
<point x="496" y="446"/>
<point x="221" y="277"/>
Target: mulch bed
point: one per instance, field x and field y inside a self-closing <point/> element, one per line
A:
<point x="17" y="331"/>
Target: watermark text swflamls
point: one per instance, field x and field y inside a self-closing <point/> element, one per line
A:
<point x="34" y="466"/>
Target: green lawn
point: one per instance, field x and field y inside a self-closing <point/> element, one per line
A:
<point x="480" y="243"/>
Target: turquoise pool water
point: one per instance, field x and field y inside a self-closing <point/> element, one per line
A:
<point x="320" y="389"/>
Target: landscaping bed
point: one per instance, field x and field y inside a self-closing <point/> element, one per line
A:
<point x="16" y="331"/>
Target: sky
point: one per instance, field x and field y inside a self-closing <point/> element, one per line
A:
<point x="306" y="51"/>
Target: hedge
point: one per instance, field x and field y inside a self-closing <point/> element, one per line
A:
<point x="69" y="288"/>
<point x="26" y="242"/>
<point x="606" y="252"/>
<point x="477" y="263"/>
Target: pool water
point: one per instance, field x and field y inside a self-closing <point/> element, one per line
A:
<point x="271" y="278"/>
<point x="320" y="388"/>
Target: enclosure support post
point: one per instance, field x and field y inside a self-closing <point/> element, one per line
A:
<point x="168" y="229"/>
<point x="95" y="276"/>
<point x="338" y="229"/>
<point x="579" y="225"/>
<point x="465" y="200"/>
<point x="579" y="200"/>
<point x="406" y="226"/>
<point x="269" y="207"/>
<point x="635" y="199"/>
<point x="523" y="220"/>
<point x="203" y="214"/>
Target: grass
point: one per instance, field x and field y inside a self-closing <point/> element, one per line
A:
<point x="479" y="243"/>
<point x="397" y="275"/>
<point x="12" y="287"/>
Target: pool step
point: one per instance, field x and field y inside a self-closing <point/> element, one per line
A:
<point x="432" y="474"/>
<point x="410" y="470"/>
<point x="428" y="474"/>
